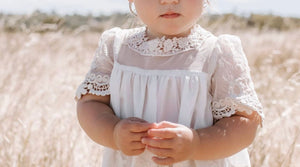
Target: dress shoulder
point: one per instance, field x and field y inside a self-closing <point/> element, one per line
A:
<point x="229" y="51"/>
<point x="108" y="36"/>
<point x="229" y="45"/>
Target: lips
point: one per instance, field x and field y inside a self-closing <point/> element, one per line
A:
<point x="170" y="15"/>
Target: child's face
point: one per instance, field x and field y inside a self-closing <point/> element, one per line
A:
<point x="168" y="17"/>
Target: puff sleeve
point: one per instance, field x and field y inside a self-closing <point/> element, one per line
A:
<point x="97" y="80"/>
<point x="232" y="86"/>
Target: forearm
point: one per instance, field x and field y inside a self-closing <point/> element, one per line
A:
<point x="226" y="137"/>
<point x="98" y="121"/>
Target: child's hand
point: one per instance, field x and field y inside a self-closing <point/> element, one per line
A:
<point x="128" y="134"/>
<point x="171" y="143"/>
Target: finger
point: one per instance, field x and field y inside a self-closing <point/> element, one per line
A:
<point x="159" y="143"/>
<point x="141" y="127"/>
<point x="137" y="136"/>
<point x="135" y="145"/>
<point x="166" y="124"/>
<point x="162" y="133"/>
<point x="134" y="152"/>
<point x="161" y="152"/>
<point x="163" y="161"/>
<point x="138" y="151"/>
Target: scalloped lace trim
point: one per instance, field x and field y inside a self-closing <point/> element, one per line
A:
<point x="166" y="47"/>
<point x="227" y="107"/>
<point x="94" y="84"/>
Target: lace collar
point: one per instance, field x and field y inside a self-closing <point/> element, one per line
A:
<point x="139" y="42"/>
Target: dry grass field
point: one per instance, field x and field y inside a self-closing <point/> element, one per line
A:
<point x="41" y="71"/>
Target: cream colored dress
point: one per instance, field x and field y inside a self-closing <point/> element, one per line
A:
<point x="189" y="80"/>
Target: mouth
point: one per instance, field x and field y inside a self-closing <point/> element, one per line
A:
<point x="170" y="15"/>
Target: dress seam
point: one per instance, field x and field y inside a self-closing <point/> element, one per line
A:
<point x="158" y="72"/>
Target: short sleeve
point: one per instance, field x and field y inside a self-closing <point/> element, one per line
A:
<point x="97" y="79"/>
<point x="232" y="86"/>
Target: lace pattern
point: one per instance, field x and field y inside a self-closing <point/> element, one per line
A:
<point x="140" y="43"/>
<point x="94" y="84"/>
<point x="228" y="106"/>
<point x="234" y="89"/>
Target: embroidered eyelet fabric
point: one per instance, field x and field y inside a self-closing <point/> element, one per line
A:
<point x="192" y="80"/>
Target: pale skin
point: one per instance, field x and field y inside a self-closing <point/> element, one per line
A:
<point x="101" y="124"/>
<point x="171" y="142"/>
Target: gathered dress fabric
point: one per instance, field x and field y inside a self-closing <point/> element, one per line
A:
<point x="190" y="80"/>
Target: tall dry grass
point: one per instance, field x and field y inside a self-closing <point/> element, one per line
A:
<point x="40" y="73"/>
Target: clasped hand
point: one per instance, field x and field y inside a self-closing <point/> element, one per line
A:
<point x="170" y="142"/>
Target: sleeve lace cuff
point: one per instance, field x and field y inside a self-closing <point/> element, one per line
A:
<point x="94" y="84"/>
<point x="228" y="106"/>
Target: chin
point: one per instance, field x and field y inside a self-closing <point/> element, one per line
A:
<point x="175" y="31"/>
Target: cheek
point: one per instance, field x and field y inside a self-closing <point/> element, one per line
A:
<point x="142" y="8"/>
<point x="196" y="4"/>
<point x="145" y="12"/>
<point x="195" y="8"/>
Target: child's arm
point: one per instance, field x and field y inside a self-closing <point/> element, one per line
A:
<point x="102" y="125"/>
<point x="227" y="137"/>
<point x="177" y="143"/>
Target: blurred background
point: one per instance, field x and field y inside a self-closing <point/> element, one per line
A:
<point x="46" y="48"/>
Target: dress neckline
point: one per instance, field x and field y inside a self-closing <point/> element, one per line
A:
<point x="139" y="42"/>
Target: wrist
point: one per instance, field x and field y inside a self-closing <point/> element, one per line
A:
<point x="115" y="136"/>
<point x="196" y="144"/>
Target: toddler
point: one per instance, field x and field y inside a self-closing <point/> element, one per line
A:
<point x="169" y="93"/>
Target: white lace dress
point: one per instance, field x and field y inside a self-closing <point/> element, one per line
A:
<point x="190" y="80"/>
